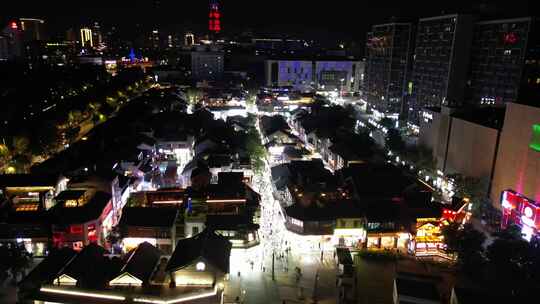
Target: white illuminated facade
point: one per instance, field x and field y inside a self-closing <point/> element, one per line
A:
<point x="86" y="38"/>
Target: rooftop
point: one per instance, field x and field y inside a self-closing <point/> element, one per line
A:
<point x="48" y="269"/>
<point x="381" y="181"/>
<point x="70" y="195"/>
<point x="490" y="117"/>
<point x="141" y="261"/>
<point x="92" y="210"/>
<point x="327" y="211"/>
<point x="207" y="244"/>
<point x="28" y="180"/>
<point x="149" y="217"/>
<point x="230" y="222"/>
<point x="315" y="58"/>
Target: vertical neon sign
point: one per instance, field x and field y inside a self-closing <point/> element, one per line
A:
<point x="535" y="140"/>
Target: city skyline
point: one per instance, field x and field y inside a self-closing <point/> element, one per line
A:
<point x="303" y="17"/>
<point x="224" y="151"/>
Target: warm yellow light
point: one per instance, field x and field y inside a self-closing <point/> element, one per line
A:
<point x="226" y="201"/>
<point x="349" y="232"/>
<point x="200" y="266"/>
<point x="27" y="207"/>
<point x="180" y="299"/>
<point x="64" y="279"/>
<point x="82" y="294"/>
<point x="86" y="37"/>
<point x="125" y="279"/>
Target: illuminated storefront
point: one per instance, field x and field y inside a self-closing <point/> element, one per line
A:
<point x="522" y="211"/>
<point x="350" y="233"/>
<point x="349" y="237"/>
<point x="388" y="240"/>
<point x="309" y="243"/>
<point x="241" y="258"/>
<point x="429" y="240"/>
<point x="36" y="246"/>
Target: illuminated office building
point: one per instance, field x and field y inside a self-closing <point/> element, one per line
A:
<point x="86" y="38"/>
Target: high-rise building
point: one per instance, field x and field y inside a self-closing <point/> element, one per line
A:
<point x="214" y="18"/>
<point x="86" y="38"/>
<point x="13" y="36"/>
<point x="154" y="39"/>
<point x="189" y="39"/>
<point x="22" y="38"/>
<point x="498" y="55"/>
<point x="33" y="29"/>
<point x="4" y="53"/>
<point x="389" y="51"/>
<point x="441" y="61"/>
<point x="529" y="91"/>
<point x="71" y="35"/>
<point x="97" y="38"/>
<point x="207" y="65"/>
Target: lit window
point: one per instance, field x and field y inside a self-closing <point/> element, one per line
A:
<point x="297" y="222"/>
<point x="26" y="207"/>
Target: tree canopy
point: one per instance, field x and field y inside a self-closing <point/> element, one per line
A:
<point x="393" y="140"/>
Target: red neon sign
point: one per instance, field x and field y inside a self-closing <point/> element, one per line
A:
<point x="76" y="229"/>
<point x="510" y="38"/>
<point x="92" y="234"/>
<point x="449" y="215"/>
<point x="519" y="210"/>
<point x="14" y="25"/>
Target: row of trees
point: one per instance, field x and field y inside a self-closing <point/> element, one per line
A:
<point x="44" y="136"/>
<point x="505" y="261"/>
<point x="255" y="149"/>
<point x="476" y="190"/>
<point x="14" y="261"/>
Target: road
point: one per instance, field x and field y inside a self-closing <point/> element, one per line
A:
<point x="252" y="285"/>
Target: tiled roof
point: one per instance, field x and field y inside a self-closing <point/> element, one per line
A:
<point x="207" y="244"/>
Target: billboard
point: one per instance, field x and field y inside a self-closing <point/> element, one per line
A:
<point x="522" y="211"/>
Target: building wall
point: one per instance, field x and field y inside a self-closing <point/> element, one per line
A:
<point x="439" y="152"/>
<point x="458" y="146"/>
<point x="207" y="65"/>
<point x="346" y="67"/>
<point x="359" y="75"/>
<point x="471" y="149"/>
<point x="295" y="72"/>
<point x="518" y="165"/>
<point x="441" y="62"/>
<point x="303" y="73"/>
<point x="4" y="54"/>
<point x="457" y="76"/>
<point x="497" y="58"/>
<point x="429" y="129"/>
<point x="191" y="276"/>
<point x="388" y="52"/>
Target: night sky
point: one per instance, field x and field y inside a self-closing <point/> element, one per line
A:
<point x="338" y="19"/>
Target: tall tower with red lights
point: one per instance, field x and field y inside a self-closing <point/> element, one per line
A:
<point x="214" y="18"/>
